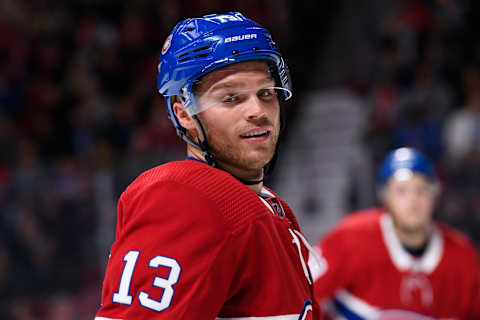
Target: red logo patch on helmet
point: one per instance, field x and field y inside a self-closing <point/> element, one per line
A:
<point x="167" y="44"/>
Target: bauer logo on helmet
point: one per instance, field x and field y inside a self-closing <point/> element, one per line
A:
<point x="241" y="37"/>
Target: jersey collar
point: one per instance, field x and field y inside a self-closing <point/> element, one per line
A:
<point x="399" y="255"/>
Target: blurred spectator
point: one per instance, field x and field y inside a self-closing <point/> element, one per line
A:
<point x="417" y="127"/>
<point x="462" y="128"/>
<point x="462" y="161"/>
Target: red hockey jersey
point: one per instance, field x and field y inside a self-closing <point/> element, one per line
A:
<point x="192" y="242"/>
<point x="368" y="274"/>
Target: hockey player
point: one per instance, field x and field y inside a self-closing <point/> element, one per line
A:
<point x="395" y="262"/>
<point x="203" y="238"/>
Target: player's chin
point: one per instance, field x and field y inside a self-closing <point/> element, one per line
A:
<point x="418" y="218"/>
<point x="415" y="225"/>
<point x="258" y="160"/>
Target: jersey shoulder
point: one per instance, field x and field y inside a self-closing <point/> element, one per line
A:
<point x="355" y="230"/>
<point x="458" y="243"/>
<point x="191" y="179"/>
<point x="188" y="172"/>
<point x="363" y="221"/>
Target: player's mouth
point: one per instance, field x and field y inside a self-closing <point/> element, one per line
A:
<point x="257" y="135"/>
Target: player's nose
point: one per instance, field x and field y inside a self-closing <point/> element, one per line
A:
<point x="255" y="107"/>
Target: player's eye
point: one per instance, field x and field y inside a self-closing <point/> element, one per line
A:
<point x="229" y="98"/>
<point x="266" y="93"/>
<point x="423" y="190"/>
<point x="399" y="190"/>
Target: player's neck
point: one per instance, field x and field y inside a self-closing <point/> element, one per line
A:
<point x="413" y="239"/>
<point x="244" y="176"/>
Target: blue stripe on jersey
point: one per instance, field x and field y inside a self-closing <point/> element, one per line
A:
<point x="346" y="312"/>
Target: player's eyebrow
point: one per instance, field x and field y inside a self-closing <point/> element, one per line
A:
<point x="239" y="84"/>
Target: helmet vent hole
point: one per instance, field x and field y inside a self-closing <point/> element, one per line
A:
<point x="190" y="29"/>
<point x="184" y="59"/>
<point x="202" y="55"/>
<point x="201" y="48"/>
<point x="255" y="49"/>
<point x="234" y="52"/>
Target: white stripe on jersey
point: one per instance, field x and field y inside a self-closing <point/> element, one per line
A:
<point x="284" y="317"/>
<point x="363" y="310"/>
<point x="267" y="193"/>
<point x="103" y="318"/>
<point x="356" y="305"/>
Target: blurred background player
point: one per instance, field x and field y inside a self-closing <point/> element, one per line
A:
<point x="395" y="262"/>
<point x="203" y="238"/>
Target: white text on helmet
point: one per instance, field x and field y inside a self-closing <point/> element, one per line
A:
<point x="241" y="37"/>
<point x="222" y="18"/>
<point x="283" y="73"/>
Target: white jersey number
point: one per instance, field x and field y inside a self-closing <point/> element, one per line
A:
<point x="122" y="295"/>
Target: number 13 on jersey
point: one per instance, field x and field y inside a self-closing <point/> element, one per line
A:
<point x="122" y="296"/>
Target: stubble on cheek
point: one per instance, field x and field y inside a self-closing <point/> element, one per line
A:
<point x="238" y="154"/>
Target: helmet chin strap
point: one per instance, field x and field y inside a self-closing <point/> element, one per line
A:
<point x="207" y="154"/>
<point x="203" y="145"/>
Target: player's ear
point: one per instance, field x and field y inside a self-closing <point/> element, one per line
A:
<point x="183" y="117"/>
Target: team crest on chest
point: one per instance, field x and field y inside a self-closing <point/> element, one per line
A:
<point x="416" y="289"/>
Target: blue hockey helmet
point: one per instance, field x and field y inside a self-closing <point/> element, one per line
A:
<point x="198" y="46"/>
<point x="403" y="162"/>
